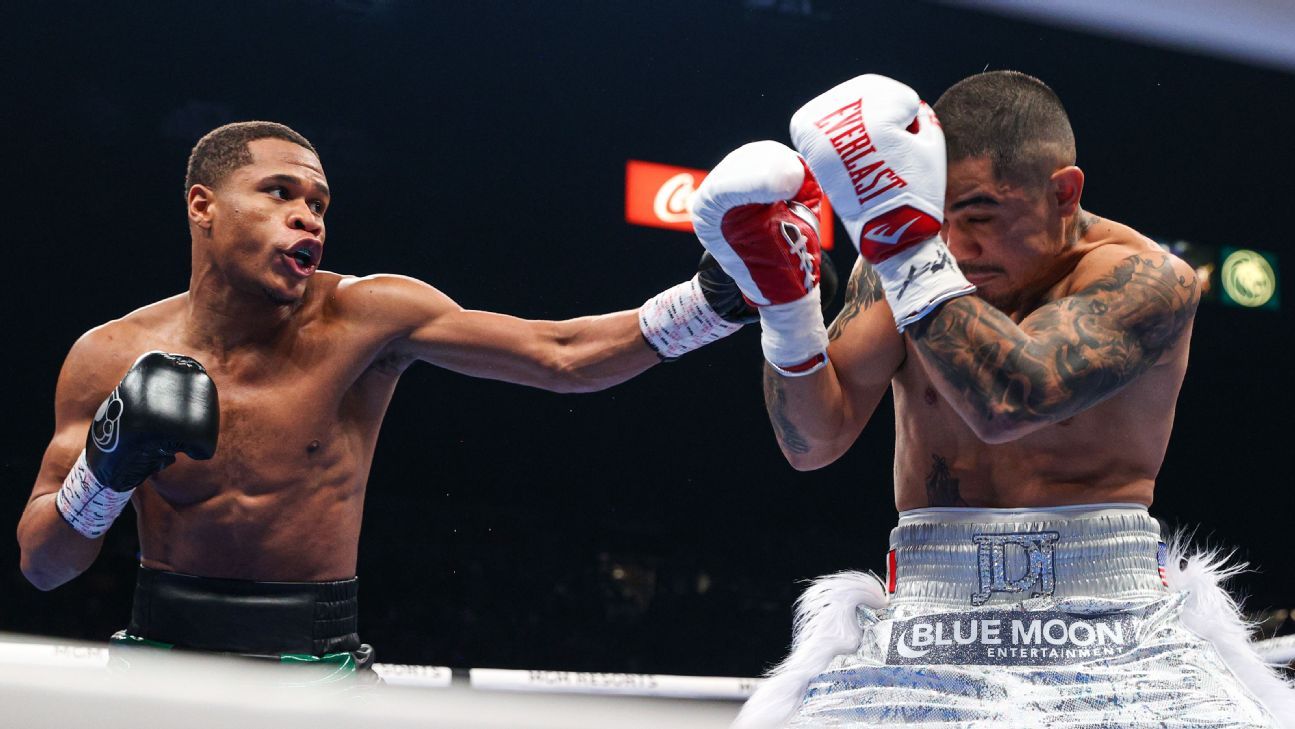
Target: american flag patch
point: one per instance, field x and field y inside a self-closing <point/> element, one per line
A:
<point x="1162" y="559"/>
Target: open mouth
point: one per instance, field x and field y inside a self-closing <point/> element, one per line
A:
<point x="303" y="257"/>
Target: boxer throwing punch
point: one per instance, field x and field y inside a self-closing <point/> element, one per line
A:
<point x="249" y="542"/>
<point x="1035" y="352"/>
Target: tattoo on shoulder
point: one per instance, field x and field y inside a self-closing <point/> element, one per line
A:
<point x="775" y="400"/>
<point x="1070" y="353"/>
<point x="941" y="486"/>
<point x="861" y="292"/>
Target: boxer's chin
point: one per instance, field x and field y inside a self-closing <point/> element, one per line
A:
<point x="282" y="298"/>
<point x="997" y="298"/>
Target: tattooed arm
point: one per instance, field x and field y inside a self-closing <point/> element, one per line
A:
<point x="1007" y="380"/>
<point x="816" y="418"/>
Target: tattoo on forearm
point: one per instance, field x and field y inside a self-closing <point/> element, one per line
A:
<point x="941" y="486"/>
<point x="1067" y="355"/>
<point x="861" y="292"/>
<point x="775" y="400"/>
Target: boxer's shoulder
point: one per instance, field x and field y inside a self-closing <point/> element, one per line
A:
<point x="106" y="351"/>
<point x="150" y="317"/>
<point x="1115" y="254"/>
<point x="387" y="300"/>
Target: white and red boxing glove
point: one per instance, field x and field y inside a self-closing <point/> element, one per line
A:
<point x="757" y="214"/>
<point x="878" y="151"/>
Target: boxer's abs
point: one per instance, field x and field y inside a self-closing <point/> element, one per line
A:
<point x="283" y="497"/>
<point x="305" y="530"/>
<point x="1108" y="453"/>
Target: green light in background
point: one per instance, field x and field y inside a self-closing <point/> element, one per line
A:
<point x="1249" y="279"/>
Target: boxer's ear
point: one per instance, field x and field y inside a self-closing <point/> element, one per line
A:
<point x="200" y="199"/>
<point x="1066" y="187"/>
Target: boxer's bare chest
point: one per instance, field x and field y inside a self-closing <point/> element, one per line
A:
<point x="300" y="408"/>
<point x="1110" y="452"/>
<point x="283" y="496"/>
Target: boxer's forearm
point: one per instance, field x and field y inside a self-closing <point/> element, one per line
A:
<point x="52" y="553"/>
<point x="1002" y="382"/>
<point x="596" y="352"/>
<point x="810" y="417"/>
<point x="1007" y="380"/>
<point x="817" y="418"/>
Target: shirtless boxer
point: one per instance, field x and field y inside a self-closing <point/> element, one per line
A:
<point x="1035" y="352"/>
<point x="249" y="544"/>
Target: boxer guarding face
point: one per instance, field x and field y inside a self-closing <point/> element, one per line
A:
<point x="1035" y="352"/>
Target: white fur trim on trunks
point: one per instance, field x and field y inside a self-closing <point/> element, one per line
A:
<point x="826" y="626"/>
<point x="1211" y="613"/>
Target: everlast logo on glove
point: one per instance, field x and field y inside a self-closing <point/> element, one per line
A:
<point x="849" y="137"/>
<point x="878" y="153"/>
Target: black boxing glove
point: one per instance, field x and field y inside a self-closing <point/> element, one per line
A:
<point x="166" y="404"/>
<point x="726" y="298"/>
<point x="708" y="307"/>
<point x="722" y="293"/>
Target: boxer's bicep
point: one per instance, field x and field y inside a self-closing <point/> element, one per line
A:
<point x="1095" y="342"/>
<point x="1065" y="357"/>
<point x="573" y="355"/>
<point x="419" y="322"/>
<point x="51" y="552"/>
<point x="484" y="344"/>
<point x="83" y="382"/>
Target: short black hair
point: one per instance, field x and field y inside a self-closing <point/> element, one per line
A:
<point x="224" y="149"/>
<point x="1013" y="119"/>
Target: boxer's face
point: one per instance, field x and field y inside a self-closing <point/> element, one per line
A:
<point x="1006" y="237"/>
<point x="267" y="232"/>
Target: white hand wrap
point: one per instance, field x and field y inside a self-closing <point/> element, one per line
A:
<point x="793" y="334"/>
<point x="920" y="278"/>
<point x="87" y="505"/>
<point x="679" y="320"/>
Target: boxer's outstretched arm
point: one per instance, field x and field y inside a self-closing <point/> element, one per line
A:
<point x="817" y="418"/>
<point x="576" y="355"/>
<point x="52" y="552"/>
<point x="1007" y="380"/>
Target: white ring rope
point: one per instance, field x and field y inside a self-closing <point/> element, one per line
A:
<point x="1273" y="650"/>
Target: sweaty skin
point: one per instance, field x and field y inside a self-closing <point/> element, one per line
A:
<point x="1055" y="384"/>
<point x="305" y="363"/>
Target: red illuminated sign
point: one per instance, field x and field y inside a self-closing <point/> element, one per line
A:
<point x="657" y="196"/>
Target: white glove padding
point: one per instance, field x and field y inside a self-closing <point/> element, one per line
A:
<point x="878" y="152"/>
<point x="757" y="214"/>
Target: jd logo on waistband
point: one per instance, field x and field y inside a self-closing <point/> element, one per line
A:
<point x="1011" y="637"/>
<point x="1034" y="549"/>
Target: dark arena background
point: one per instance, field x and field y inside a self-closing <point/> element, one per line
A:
<point x="483" y="147"/>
